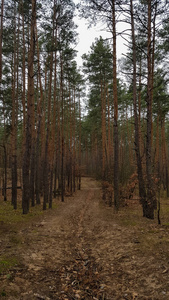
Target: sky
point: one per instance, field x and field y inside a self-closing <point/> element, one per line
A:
<point x="87" y="37"/>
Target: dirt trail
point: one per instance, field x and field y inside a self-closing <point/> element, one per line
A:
<point x="82" y="251"/>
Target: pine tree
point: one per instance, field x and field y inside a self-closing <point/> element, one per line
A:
<point x="98" y="66"/>
<point x="30" y="115"/>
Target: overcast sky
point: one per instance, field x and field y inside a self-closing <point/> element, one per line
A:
<point x="87" y="37"/>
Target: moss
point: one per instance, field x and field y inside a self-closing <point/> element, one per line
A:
<point x="165" y="209"/>
<point x="10" y="216"/>
<point x="6" y="263"/>
<point x="15" y="240"/>
<point x="3" y="294"/>
<point x="128" y="222"/>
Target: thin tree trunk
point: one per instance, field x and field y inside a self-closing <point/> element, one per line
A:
<point x="71" y="139"/>
<point x="14" y="124"/>
<point x="153" y="58"/>
<point x="157" y="167"/>
<point x="51" y="189"/>
<point x="79" y="184"/>
<point x="47" y="158"/>
<point x="1" y="38"/>
<point x="5" y="173"/>
<point x="53" y="125"/>
<point x="151" y="200"/>
<point x="23" y="81"/>
<point x="62" y="136"/>
<point x="1" y="91"/>
<point x="142" y="190"/>
<point x="164" y="157"/>
<point x="30" y="104"/>
<point x="58" y="152"/>
<point x="116" y="136"/>
<point x="109" y="155"/>
<point x="39" y="126"/>
<point x="74" y="143"/>
<point x="103" y="108"/>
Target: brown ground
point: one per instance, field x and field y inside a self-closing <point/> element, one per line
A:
<point x="83" y="250"/>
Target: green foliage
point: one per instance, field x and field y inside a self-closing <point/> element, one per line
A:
<point x="160" y="94"/>
<point x="98" y="67"/>
<point x="98" y="63"/>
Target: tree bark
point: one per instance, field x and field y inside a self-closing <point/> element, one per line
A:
<point x="39" y="127"/>
<point x="79" y="167"/>
<point x="103" y="108"/>
<point x="30" y="104"/>
<point x="62" y="135"/>
<point x="1" y="92"/>
<point x="142" y="189"/>
<point x="116" y="136"/>
<point x="46" y="174"/>
<point x="14" y="121"/>
<point x="151" y="199"/>
<point x="1" y="38"/>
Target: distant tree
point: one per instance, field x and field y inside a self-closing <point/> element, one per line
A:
<point x="107" y="12"/>
<point x="98" y="66"/>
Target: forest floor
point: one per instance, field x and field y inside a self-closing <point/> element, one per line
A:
<point x="82" y="249"/>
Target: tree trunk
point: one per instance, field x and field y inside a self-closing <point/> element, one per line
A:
<point x="1" y="92"/>
<point x="1" y="38"/>
<point x="62" y="136"/>
<point x="103" y="108"/>
<point x="109" y="154"/>
<point x="116" y="136"/>
<point x="151" y="199"/>
<point x="5" y="173"/>
<point x="30" y="104"/>
<point x="51" y="189"/>
<point x="14" y="125"/>
<point x="164" y="157"/>
<point x="39" y="127"/>
<point x="53" y="125"/>
<point x="79" y="183"/>
<point x="23" y="79"/>
<point x="74" y="143"/>
<point x="142" y="190"/>
<point x="47" y="170"/>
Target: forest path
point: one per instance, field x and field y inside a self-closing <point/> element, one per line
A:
<point x="82" y="251"/>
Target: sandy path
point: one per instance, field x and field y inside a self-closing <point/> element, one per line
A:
<point x="82" y="252"/>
